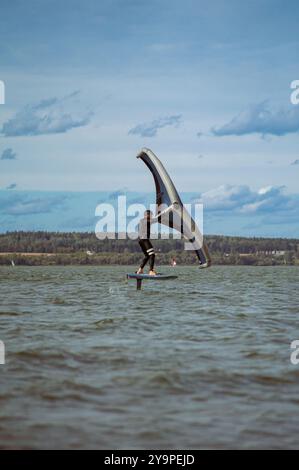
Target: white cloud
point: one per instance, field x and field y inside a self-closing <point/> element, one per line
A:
<point x="50" y="116"/>
<point x="8" y="154"/>
<point x="260" y="119"/>
<point x="150" y="129"/>
<point x="161" y="47"/>
<point x="11" y="186"/>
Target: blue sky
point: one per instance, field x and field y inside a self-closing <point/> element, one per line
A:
<point x="205" y="85"/>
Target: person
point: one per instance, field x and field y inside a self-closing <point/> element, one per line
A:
<point x="144" y="234"/>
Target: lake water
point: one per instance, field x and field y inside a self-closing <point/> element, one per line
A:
<point x="200" y="362"/>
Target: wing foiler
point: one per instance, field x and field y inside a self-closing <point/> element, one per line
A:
<point x="177" y="217"/>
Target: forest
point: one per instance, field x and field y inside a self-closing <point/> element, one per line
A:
<point x="57" y="248"/>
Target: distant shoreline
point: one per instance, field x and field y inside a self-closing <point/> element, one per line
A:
<point x="69" y="248"/>
<point x="16" y="253"/>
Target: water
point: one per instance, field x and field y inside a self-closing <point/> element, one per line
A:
<point x="201" y="362"/>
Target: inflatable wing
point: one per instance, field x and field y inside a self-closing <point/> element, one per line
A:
<point x="178" y="217"/>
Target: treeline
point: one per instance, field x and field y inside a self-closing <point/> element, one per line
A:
<point x="45" y="248"/>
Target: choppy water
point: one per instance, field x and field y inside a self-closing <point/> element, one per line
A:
<point x="203" y="362"/>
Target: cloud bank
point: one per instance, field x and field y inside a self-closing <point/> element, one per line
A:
<point x="21" y="205"/>
<point x="241" y="199"/>
<point x="228" y="209"/>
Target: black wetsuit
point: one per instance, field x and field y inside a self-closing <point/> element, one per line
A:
<point x="145" y="243"/>
<point x="149" y="253"/>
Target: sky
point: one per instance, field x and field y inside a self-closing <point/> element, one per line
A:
<point x="205" y="85"/>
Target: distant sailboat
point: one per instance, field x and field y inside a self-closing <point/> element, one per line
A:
<point x="12" y="263"/>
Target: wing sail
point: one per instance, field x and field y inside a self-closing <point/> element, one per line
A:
<point x="178" y="218"/>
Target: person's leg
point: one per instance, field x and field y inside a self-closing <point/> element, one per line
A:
<point x="151" y="253"/>
<point x="144" y="247"/>
<point x="152" y="261"/>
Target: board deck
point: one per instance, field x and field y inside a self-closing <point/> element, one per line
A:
<point x="158" y="277"/>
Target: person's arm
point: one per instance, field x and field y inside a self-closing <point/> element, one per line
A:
<point x="155" y="218"/>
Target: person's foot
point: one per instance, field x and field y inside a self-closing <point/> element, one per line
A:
<point x="140" y="271"/>
<point x="152" y="273"/>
